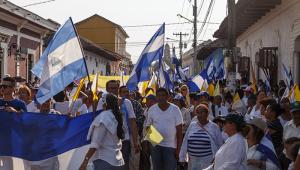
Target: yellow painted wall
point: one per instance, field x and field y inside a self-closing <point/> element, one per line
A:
<point x="98" y="31"/>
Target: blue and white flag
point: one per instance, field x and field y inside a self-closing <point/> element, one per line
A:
<point x="268" y="87"/>
<point x="266" y="147"/>
<point x="153" y="51"/>
<point x="178" y="70"/>
<point x="220" y="70"/>
<point x="164" y="79"/>
<point x="61" y="63"/>
<point x="214" y="69"/>
<point x="196" y="83"/>
<point x="287" y="76"/>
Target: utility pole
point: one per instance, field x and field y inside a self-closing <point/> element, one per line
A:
<point x="232" y="50"/>
<point x="195" y="35"/>
<point x="180" y="44"/>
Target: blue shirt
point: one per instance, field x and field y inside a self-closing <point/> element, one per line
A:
<point x="17" y="104"/>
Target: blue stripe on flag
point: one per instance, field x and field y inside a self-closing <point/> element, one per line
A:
<point x="38" y="136"/>
<point x="64" y="34"/>
<point x="152" y="52"/>
<point x="60" y="80"/>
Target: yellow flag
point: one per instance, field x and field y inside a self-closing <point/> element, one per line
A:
<point x="153" y="82"/>
<point x="297" y="93"/>
<point x="211" y="89"/>
<point x="153" y="136"/>
<point x="253" y="86"/>
<point x="95" y="87"/>
<point x="236" y="98"/>
<point x="81" y="83"/>
<point x="142" y="87"/>
<point x="149" y="92"/>
<point x="253" y="78"/>
<point x="217" y="89"/>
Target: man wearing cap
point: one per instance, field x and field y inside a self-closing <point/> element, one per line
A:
<point x="256" y="158"/>
<point x="292" y="128"/>
<point x="232" y="154"/>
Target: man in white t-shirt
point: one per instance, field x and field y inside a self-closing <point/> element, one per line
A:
<point x="167" y="119"/>
<point x="129" y="122"/>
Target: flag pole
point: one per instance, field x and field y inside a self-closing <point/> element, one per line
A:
<point x="87" y="71"/>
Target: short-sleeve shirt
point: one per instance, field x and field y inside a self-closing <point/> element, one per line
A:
<point x="165" y="122"/>
<point x="17" y="104"/>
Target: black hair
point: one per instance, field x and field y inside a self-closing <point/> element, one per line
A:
<point x="240" y="92"/>
<point x="193" y="96"/>
<point x="112" y="103"/>
<point x="228" y="96"/>
<point x="291" y="140"/>
<point x="122" y="87"/>
<point x="60" y="97"/>
<point x="275" y="107"/>
<point x="111" y="81"/>
<point x="294" y="151"/>
<point x="161" y="89"/>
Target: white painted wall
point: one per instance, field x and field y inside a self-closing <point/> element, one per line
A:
<point x="278" y="28"/>
<point x="91" y="63"/>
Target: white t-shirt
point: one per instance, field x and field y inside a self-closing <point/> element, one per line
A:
<point x="253" y="153"/>
<point x="186" y="118"/>
<point x="62" y="107"/>
<point x="130" y="111"/>
<point x="291" y="130"/>
<point x="165" y="122"/>
<point x="232" y="154"/>
<point x="84" y="109"/>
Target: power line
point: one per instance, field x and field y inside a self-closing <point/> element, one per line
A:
<point x="146" y="25"/>
<point x="37" y="3"/>
<point x="208" y="19"/>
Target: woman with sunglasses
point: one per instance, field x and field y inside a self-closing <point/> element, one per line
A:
<point x="201" y="141"/>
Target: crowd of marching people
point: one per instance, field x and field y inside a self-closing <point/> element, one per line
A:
<point x="249" y="128"/>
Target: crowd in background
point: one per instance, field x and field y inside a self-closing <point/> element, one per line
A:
<point x="200" y="130"/>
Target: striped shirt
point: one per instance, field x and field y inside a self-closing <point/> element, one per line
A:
<point x="199" y="144"/>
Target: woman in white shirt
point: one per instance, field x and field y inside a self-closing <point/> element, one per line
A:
<point x="257" y="158"/>
<point x="179" y="101"/>
<point x="201" y="141"/>
<point x="106" y="133"/>
<point x="233" y="153"/>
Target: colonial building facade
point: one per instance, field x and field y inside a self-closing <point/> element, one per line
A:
<point x="22" y="35"/>
<point x="268" y="33"/>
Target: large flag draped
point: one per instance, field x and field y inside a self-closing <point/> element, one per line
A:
<point x="61" y="63"/>
<point x="38" y="136"/>
<point x="152" y="52"/>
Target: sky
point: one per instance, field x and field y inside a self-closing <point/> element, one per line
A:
<point x="137" y="13"/>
